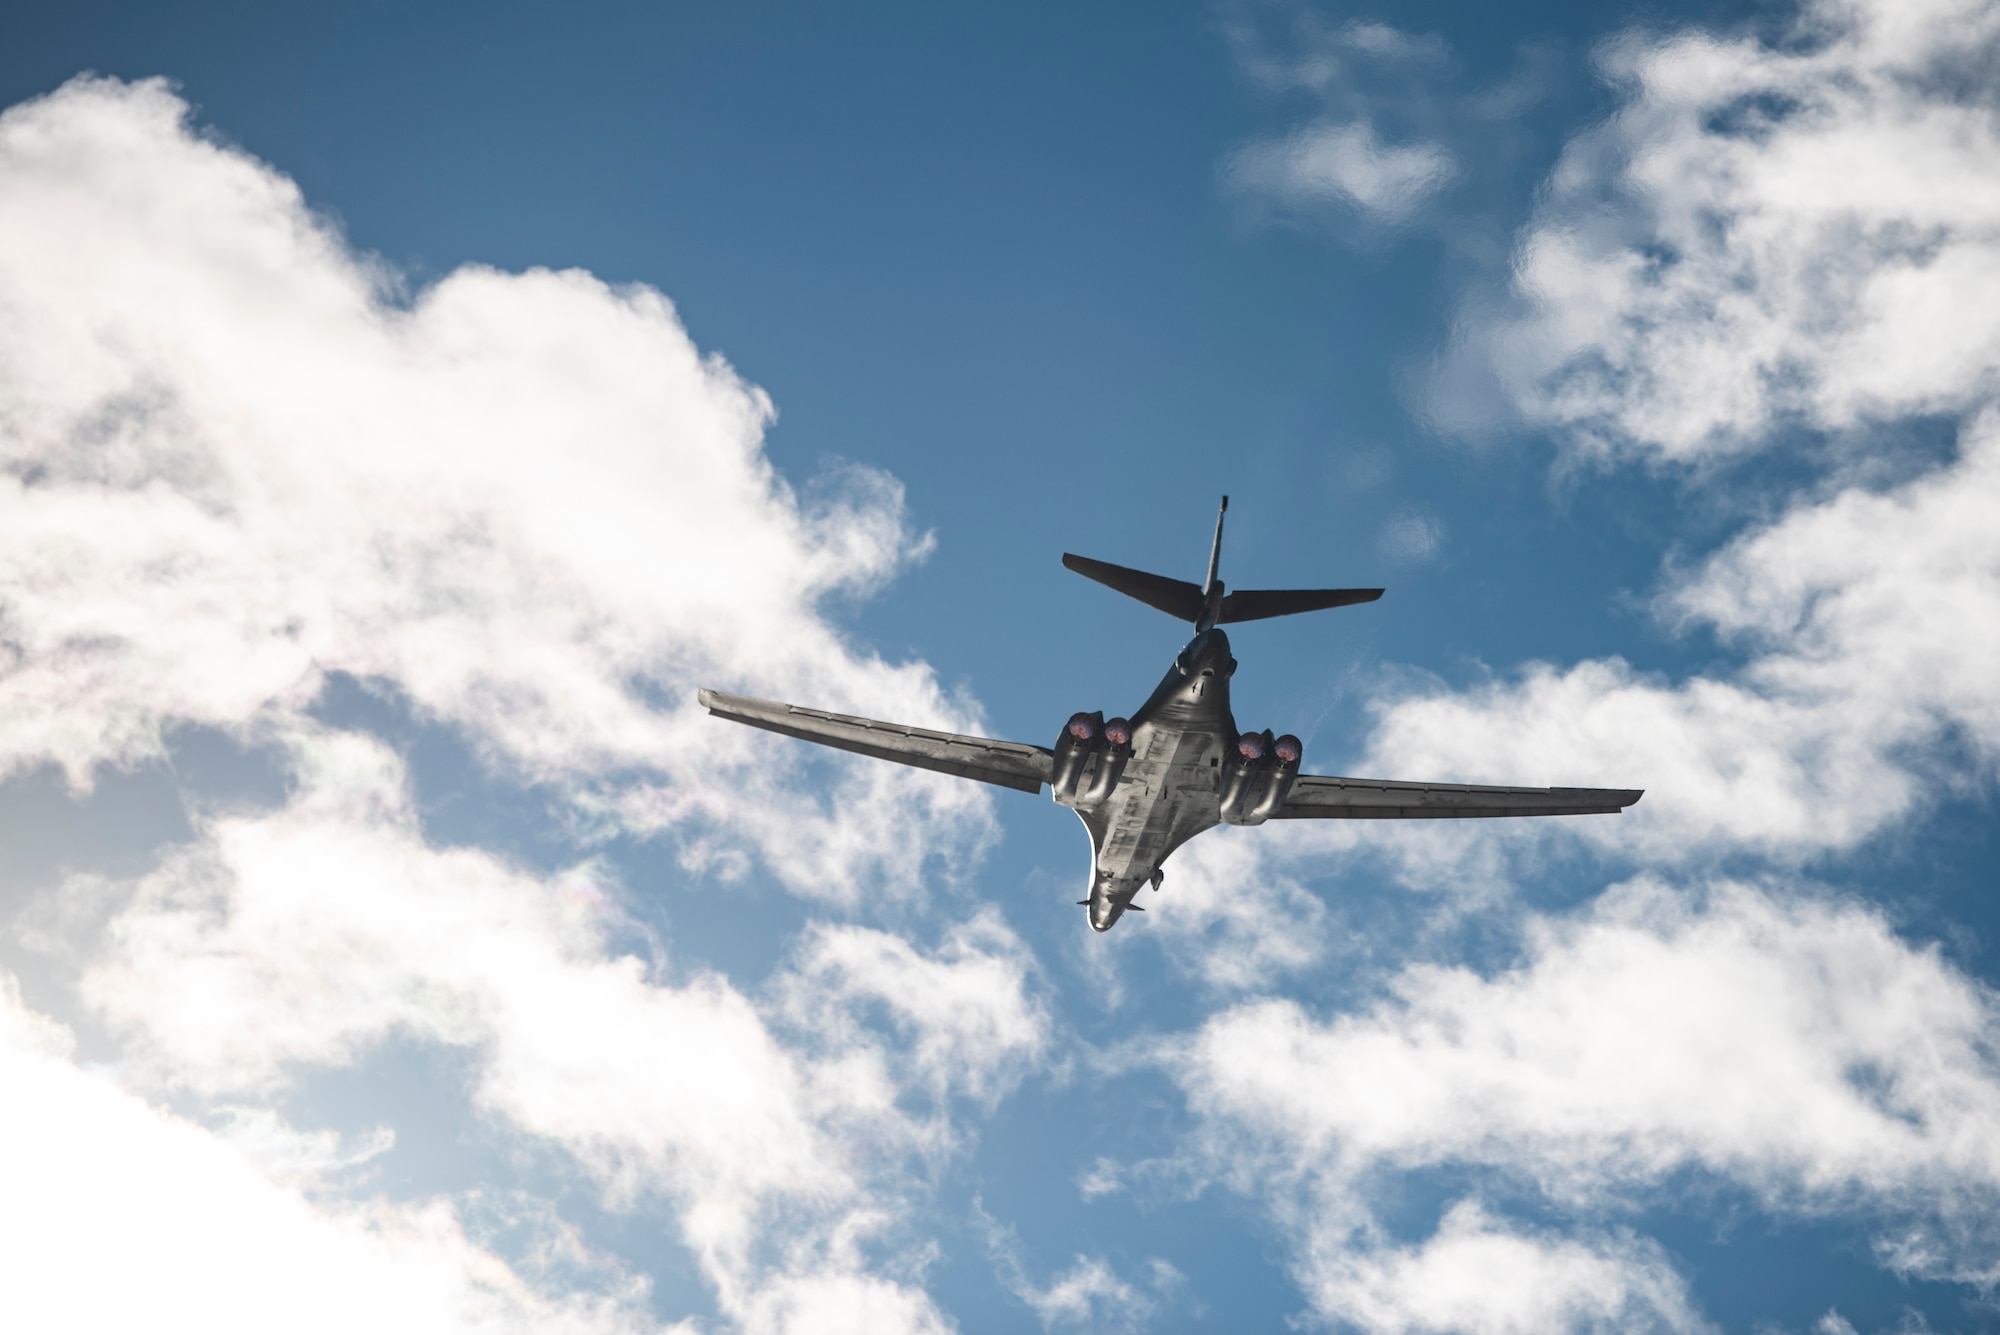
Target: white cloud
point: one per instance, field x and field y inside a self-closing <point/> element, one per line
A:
<point x="1806" y="232"/>
<point x="1475" y="1275"/>
<point x="1871" y="622"/>
<point x="1088" y="1294"/>
<point x="1233" y="915"/>
<point x="232" y="462"/>
<point x="842" y="1303"/>
<point x="1394" y="128"/>
<point x="969" y="1021"/>
<point x="305" y="937"/>
<point x="291" y="1157"/>
<point x="1312" y="55"/>
<point x="1104" y="1177"/>
<point x="1793" y="1047"/>
<point x="117" y="1214"/>
<point x="1803" y="233"/>
<point x="1411" y="536"/>
<point x="308" y="936"/>
<point x="1344" y="165"/>
<point x="1761" y="237"/>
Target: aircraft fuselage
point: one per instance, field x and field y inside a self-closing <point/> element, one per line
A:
<point x="1171" y="787"/>
<point x="1144" y="786"/>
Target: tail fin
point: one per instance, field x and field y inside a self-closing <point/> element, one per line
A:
<point x="1256" y="604"/>
<point x="1213" y="584"/>
<point x="1206" y="604"/>
<point x="1176" y="597"/>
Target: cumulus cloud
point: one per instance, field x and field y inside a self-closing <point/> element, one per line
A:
<point x="117" y="1213"/>
<point x="1234" y="916"/>
<point x="237" y="458"/>
<point x="233" y="460"/>
<point x="1805" y="233"/>
<point x="970" y="1024"/>
<point x="1762" y="237"/>
<point x="1791" y="1046"/>
<point x="1869" y="621"/>
<point x="307" y="936"/>
<point x="1478" y="1276"/>
<point x="1800" y="233"/>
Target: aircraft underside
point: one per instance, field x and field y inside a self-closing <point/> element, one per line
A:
<point x="1167" y="797"/>
<point x="1178" y="766"/>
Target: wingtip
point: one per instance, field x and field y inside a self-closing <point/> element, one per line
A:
<point x="706" y="697"/>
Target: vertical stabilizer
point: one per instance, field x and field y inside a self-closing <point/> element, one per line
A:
<point x="1211" y="589"/>
<point x="1215" y="552"/>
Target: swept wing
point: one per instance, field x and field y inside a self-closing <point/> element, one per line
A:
<point x="1009" y="764"/>
<point x="1322" y="797"/>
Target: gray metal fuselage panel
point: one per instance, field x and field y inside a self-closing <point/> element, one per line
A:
<point x="1169" y="791"/>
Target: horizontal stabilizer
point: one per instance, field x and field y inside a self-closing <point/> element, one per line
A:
<point x="1182" y="600"/>
<point x="1256" y="604"/>
<point x="1176" y="597"/>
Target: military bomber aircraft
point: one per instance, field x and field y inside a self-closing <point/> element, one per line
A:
<point x="1147" y="784"/>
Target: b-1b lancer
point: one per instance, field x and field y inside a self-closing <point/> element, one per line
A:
<point x="1179" y="765"/>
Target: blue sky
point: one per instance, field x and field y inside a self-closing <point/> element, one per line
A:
<point x="402" y="412"/>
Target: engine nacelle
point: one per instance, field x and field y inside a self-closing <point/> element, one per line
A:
<point x="1080" y="738"/>
<point x="1242" y="766"/>
<point x="1257" y="776"/>
<point x="1090" y="758"/>
<point x="1282" y="773"/>
<point x="1111" y="762"/>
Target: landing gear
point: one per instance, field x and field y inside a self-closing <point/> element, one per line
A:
<point x="1158" y="876"/>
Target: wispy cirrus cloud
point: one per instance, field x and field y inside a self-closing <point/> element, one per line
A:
<point x="1341" y="165"/>
<point x="1390" y="128"/>
<point x="1339" y="160"/>
<point x="1089" y="1295"/>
